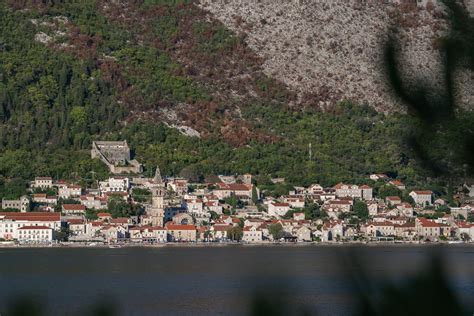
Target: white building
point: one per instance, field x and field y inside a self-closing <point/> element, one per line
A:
<point x="69" y="209"/>
<point x="115" y="184"/>
<point x="179" y="186"/>
<point x="69" y="191"/>
<point x="251" y="234"/>
<point x="94" y="202"/>
<point x="422" y="197"/>
<point x="379" y="229"/>
<point x="42" y="183"/>
<point x="194" y="206"/>
<point x="278" y="209"/>
<point x="35" y="234"/>
<point x="295" y="201"/>
<point x="46" y="199"/>
<point x="364" y="192"/>
<point x="11" y="222"/>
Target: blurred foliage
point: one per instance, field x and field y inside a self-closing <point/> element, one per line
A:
<point x="441" y="134"/>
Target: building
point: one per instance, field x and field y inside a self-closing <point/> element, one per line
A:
<point x="220" y="232"/>
<point x="332" y="231"/>
<point x="45" y="199"/>
<point x="42" y="183"/>
<point x="380" y="229"/>
<point x="240" y="190"/>
<point x="302" y="233"/>
<point x="378" y="176"/>
<point x="251" y="234"/>
<point x="179" y="186"/>
<point x="373" y="208"/>
<point x="116" y="155"/>
<point x="278" y="209"/>
<point x="343" y="206"/>
<point x="393" y="200"/>
<point x="69" y="209"/>
<point x="77" y="226"/>
<point x="213" y="206"/>
<point x="422" y="197"/>
<point x="177" y="232"/>
<point x="104" y="216"/>
<point x="299" y="216"/>
<point x="295" y="201"/>
<point x="364" y="192"/>
<point x="69" y="191"/>
<point x="35" y="234"/>
<point x="463" y="211"/>
<point x="427" y="228"/>
<point x="94" y="202"/>
<point x="398" y="184"/>
<point x="156" y="211"/>
<point x="115" y="184"/>
<point x="194" y="206"/>
<point x="11" y="222"/>
<point x="22" y="204"/>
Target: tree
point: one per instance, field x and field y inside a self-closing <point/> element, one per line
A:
<point x="465" y="237"/>
<point x="141" y="195"/>
<point x="255" y="196"/>
<point x="361" y="210"/>
<point x="276" y="230"/>
<point x="63" y="234"/>
<point x="91" y="214"/>
<point x="389" y="190"/>
<point x="289" y="214"/>
<point x="235" y="233"/>
<point x="214" y="215"/>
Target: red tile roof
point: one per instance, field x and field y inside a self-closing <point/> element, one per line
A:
<point x="427" y="223"/>
<point x="75" y="221"/>
<point x="221" y="228"/>
<point x="119" y="220"/>
<point x="423" y="192"/>
<point x="234" y="186"/>
<point x="396" y="182"/>
<point x="32" y="216"/>
<point x="74" y="207"/>
<point x="180" y="227"/>
<point x="280" y="204"/>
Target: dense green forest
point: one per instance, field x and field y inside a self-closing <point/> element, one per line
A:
<point x="70" y="73"/>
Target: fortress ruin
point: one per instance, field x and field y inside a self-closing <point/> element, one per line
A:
<point x="116" y="155"/>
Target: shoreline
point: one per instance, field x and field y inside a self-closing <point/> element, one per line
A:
<point x="217" y="245"/>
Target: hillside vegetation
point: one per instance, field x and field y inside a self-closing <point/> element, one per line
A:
<point x="185" y="91"/>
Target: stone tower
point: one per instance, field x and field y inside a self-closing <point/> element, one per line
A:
<point x="157" y="208"/>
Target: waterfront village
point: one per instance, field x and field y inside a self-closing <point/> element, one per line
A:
<point x="230" y="210"/>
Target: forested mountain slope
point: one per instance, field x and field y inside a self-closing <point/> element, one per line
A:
<point x="185" y="91"/>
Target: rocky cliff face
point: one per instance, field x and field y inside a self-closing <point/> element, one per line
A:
<point x="331" y="50"/>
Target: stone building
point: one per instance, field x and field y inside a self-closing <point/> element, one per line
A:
<point x="22" y="204"/>
<point x="116" y="155"/>
<point x="156" y="210"/>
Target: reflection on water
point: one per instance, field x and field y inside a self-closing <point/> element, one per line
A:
<point x="222" y="280"/>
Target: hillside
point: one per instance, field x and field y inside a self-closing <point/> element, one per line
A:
<point x="187" y="92"/>
<point x="328" y="51"/>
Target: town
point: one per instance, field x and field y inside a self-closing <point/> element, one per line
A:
<point x="129" y="209"/>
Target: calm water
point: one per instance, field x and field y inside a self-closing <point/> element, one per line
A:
<point x="217" y="280"/>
